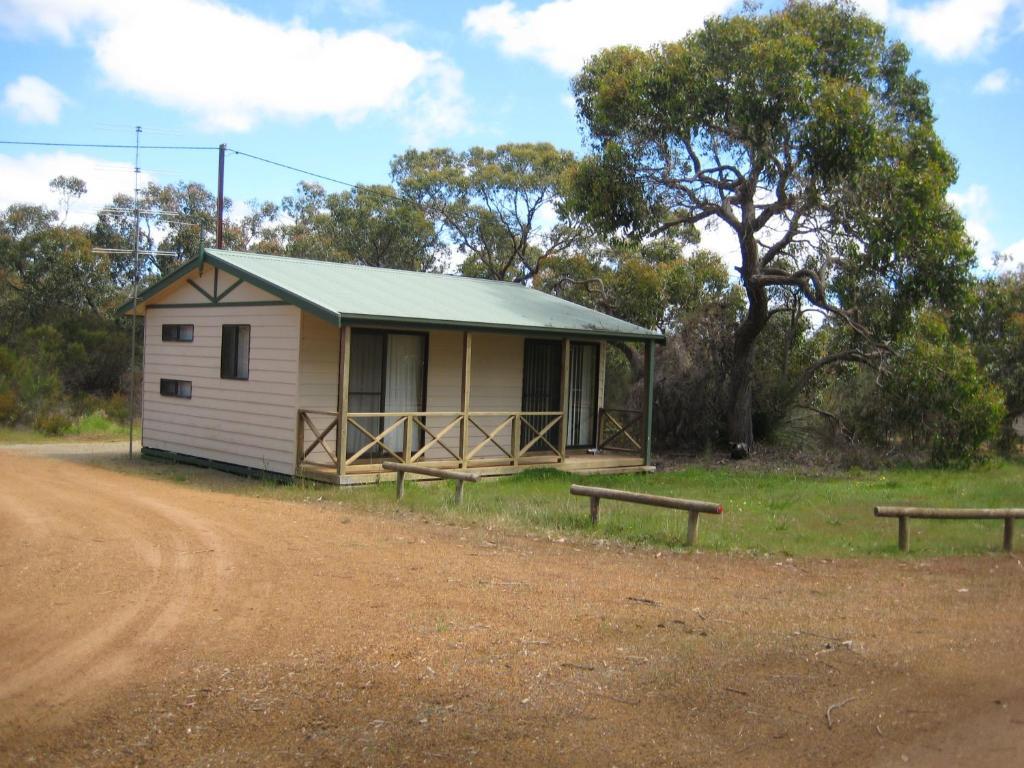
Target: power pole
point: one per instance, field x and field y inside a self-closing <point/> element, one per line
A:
<point x="220" y="197"/>
<point x="135" y="305"/>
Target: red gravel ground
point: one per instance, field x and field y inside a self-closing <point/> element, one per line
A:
<point x="143" y="622"/>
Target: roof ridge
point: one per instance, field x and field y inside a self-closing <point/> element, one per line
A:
<point x="349" y="265"/>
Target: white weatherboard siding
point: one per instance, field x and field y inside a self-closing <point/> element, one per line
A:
<point x="318" y="377"/>
<point x="496" y="384"/>
<point x="250" y="423"/>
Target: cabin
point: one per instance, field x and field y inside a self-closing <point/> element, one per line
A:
<point x="323" y="370"/>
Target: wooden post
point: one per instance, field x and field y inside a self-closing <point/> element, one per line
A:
<point x="300" y="438"/>
<point x="563" y="433"/>
<point x="595" y="502"/>
<point x="1007" y="534"/>
<point x="400" y="484"/>
<point x="517" y="439"/>
<point x="458" y="491"/>
<point x="648" y="398"/>
<point x="344" y="358"/>
<point x="407" y="447"/>
<point x="691" y="528"/>
<point x="467" y="368"/>
<point x="904" y="535"/>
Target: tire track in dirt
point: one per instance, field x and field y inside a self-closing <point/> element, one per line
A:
<point x="172" y="570"/>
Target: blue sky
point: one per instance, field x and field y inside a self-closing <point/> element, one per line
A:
<point x="341" y="87"/>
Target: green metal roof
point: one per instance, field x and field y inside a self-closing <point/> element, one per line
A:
<point x="350" y="293"/>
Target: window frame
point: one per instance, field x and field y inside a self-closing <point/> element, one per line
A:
<point x="175" y="335"/>
<point x="229" y="365"/>
<point x="177" y="387"/>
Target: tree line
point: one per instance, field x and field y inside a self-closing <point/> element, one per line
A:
<point x="854" y="319"/>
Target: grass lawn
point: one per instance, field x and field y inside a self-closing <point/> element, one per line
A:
<point x="777" y="512"/>
<point x="94" y="426"/>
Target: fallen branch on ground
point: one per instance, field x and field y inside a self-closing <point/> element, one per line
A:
<point x="828" y="712"/>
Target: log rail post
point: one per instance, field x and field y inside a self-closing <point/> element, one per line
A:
<point x="902" y="514"/>
<point x="694" y="508"/>
<point x="401" y="470"/>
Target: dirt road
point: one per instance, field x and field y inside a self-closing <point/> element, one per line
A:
<point x="143" y="622"/>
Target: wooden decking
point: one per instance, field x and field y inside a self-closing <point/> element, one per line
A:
<point x="576" y="462"/>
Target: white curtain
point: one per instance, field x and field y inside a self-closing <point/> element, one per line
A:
<point x="582" y="394"/>
<point x="403" y="388"/>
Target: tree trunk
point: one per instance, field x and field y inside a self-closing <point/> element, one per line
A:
<point x="740" y="393"/>
<point x="740" y="417"/>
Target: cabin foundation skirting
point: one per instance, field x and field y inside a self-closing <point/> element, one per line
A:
<point x="223" y="466"/>
<point x="589" y="465"/>
<point x="582" y="465"/>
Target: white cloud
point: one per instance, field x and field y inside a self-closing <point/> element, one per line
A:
<point x="973" y="206"/>
<point x="26" y="179"/>
<point x="562" y="34"/>
<point x="1014" y="255"/>
<point x="233" y="69"/>
<point x="877" y="9"/>
<point x="33" y="100"/>
<point x="439" y="110"/>
<point x="995" y="81"/>
<point x="952" y="29"/>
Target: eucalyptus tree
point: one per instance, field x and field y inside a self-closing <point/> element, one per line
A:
<point x="370" y="225"/>
<point x="803" y="133"/>
<point x="502" y="209"/>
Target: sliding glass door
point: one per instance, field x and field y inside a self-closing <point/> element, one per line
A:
<point x="542" y="381"/>
<point x="387" y="374"/>
<point x="582" y="416"/>
<point x="542" y="376"/>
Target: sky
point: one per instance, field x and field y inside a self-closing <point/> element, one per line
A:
<point x="340" y="87"/>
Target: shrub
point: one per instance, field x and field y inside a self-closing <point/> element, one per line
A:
<point x="53" y="423"/>
<point x="27" y="390"/>
<point x="934" y="397"/>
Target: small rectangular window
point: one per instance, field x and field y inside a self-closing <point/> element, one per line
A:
<point x="234" y="352"/>
<point x="177" y="332"/>
<point x="176" y="388"/>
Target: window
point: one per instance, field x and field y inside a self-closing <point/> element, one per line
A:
<point x="234" y="352"/>
<point x="583" y="373"/>
<point x="177" y="332"/>
<point x="176" y="388"/>
<point x="387" y="373"/>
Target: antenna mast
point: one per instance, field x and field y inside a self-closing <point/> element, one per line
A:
<point x="135" y="305"/>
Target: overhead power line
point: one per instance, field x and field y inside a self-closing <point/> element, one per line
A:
<point x="293" y="168"/>
<point x="366" y="189"/>
<point x="102" y="146"/>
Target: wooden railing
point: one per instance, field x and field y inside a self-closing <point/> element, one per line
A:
<point x="427" y="436"/>
<point x="619" y="430"/>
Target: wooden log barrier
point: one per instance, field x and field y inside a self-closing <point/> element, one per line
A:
<point x="695" y="508"/>
<point x="1007" y="515"/>
<point x="401" y="470"/>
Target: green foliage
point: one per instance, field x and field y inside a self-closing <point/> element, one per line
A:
<point x="994" y="324"/>
<point x="369" y="226"/>
<point x="494" y="206"/>
<point x="28" y="388"/>
<point x="801" y="131"/>
<point x="48" y="271"/>
<point x="933" y="397"/>
<point x="53" y="423"/>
